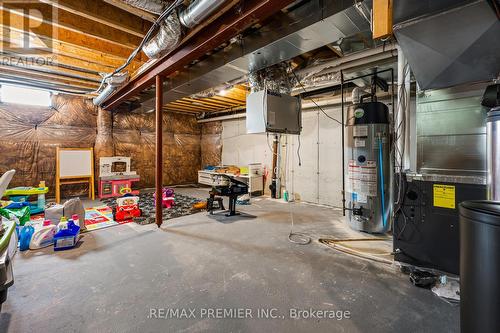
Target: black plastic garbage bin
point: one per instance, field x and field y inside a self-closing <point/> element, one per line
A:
<point x="480" y="266"/>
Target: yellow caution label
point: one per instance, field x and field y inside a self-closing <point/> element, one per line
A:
<point x="444" y="196"/>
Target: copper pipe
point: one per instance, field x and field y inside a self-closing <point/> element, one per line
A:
<point x="159" y="150"/>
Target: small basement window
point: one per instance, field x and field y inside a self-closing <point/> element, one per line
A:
<point x="25" y="96"/>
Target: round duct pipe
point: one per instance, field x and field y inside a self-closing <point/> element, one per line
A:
<point x="199" y="10"/>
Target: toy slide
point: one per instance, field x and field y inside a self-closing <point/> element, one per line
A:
<point x="22" y="194"/>
<point x="24" y="190"/>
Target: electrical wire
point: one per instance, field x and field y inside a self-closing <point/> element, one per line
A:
<point x="298" y="152"/>
<point x="312" y="100"/>
<point x="400" y="132"/>
<point x="146" y="39"/>
<point x="296" y="237"/>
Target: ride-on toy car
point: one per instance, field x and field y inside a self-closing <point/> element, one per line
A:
<point x="127" y="207"/>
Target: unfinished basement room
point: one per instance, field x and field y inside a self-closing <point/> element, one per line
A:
<point x="249" y="166"/>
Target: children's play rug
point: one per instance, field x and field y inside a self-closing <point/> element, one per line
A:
<point x="183" y="206"/>
<point x="99" y="217"/>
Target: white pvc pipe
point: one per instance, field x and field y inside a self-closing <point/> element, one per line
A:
<point x="403" y="110"/>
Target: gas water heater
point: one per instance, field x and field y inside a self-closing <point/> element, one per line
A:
<point x="368" y="167"/>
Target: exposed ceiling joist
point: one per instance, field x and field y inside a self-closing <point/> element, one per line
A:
<point x="62" y="60"/>
<point x="104" y="14"/>
<point x="184" y="108"/>
<point x="48" y="77"/>
<point x="55" y="60"/>
<point x="74" y="41"/>
<point x="188" y="106"/>
<point x="170" y="109"/>
<point x="230" y="100"/>
<point x="221" y="30"/>
<point x="199" y="107"/>
<point x="51" y="68"/>
<point x="61" y="48"/>
<point x="73" y="22"/>
<point x="206" y="101"/>
<point x="40" y="84"/>
<point x="133" y="10"/>
<point x="48" y="32"/>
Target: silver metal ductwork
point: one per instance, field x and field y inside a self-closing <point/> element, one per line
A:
<point x="466" y="49"/>
<point x="274" y="78"/>
<point x="493" y="153"/>
<point x="167" y="38"/>
<point x="170" y="32"/>
<point x="305" y="27"/>
<point x="113" y="83"/>
<point x="151" y="6"/>
<point x="199" y="10"/>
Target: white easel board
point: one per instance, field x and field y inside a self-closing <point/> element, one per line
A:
<point x="75" y="163"/>
<point x="74" y="166"/>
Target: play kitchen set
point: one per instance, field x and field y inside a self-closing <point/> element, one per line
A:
<point x="114" y="183"/>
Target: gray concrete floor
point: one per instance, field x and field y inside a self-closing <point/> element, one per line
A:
<point x="119" y="276"/>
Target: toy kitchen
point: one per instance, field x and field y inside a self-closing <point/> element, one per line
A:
<point x="113" y="183"/>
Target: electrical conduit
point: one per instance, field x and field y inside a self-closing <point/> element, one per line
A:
<point x="382" y="182"/>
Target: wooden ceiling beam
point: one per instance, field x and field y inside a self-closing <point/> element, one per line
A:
<point x="198" y="105"/>
<point x="230" y="100"/>
<point x="187" y="107"/>
<point x="41" y="84"/>
<point x="63" y="61"/>
<point x="177" y="107"/>
<point x="65" y="49"/>
<point x="27" y="73"/>
<point x="235" y="94"/>
<point x="40" y="12"/>
<point x="50" y="68"/>
<point x="168" y="109"/>
<point x="242" y="88"/>
<point x="132" y="10"/>
<point x="104" y="13"/>
<point x="206" y="101"/>
<point x="191" y="107"/>
<point x="58" y="60"/>
<point x="48" y="32"/>
<point x="218" y="32"/>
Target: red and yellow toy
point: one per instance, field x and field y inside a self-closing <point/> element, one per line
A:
<point x="127" y="208"/>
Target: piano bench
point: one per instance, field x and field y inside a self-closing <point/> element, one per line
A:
<point x="210" y="204"/>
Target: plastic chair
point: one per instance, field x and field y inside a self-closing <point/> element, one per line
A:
<point x="5" y="181"/>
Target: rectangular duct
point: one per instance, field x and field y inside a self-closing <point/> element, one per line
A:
<point x="304" y="28"/>
<point x="451" y="131"/>
<point x="465" y="49"/>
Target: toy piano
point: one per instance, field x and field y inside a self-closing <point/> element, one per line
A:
<point x="116" y="183"/>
